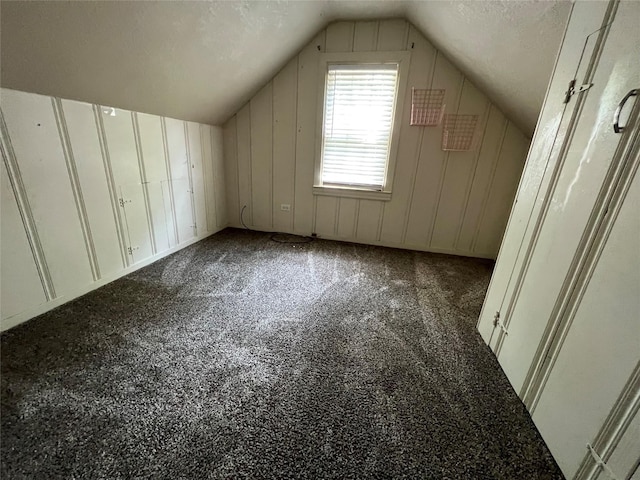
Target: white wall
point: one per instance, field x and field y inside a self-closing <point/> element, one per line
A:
<point x="90" y="193"/>
<point x="454" y="202"/>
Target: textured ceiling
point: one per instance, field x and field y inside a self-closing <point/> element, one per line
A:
<point x="202" y="60"/>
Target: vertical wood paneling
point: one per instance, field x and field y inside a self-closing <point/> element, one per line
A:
<point x="197" y="153"/>
<point x="207" y="153"/>
<point x="396" y="210"/>
<point x="37" y="145"/>
<point x="215" y="178"/>
<point x="501" y="193"/>
<point x="243" y="126"/>
<point x="368" y="220"/>
<point x="430" y="172"/>
<point x="365" y="36"/>
<point x="339" y="37"/>
<point x="306" y="134"/>
<point x="261" y="157"/>
<point x="156" y="174"/>
<point x="123" y="156"/>
<point x="459" y="169"/>
<point x="182" y="152"/>
<point x="284" y="144"/>
<point x="489" y="152"/>
<point x="91" y="173"/>
<point x="72" y="191"/>
<point x="21" y="285"/>
<point x="434" y="203"/>
<point x="347" y="217"/>
<point x="392" y="35"/>
<point x="326" y="215"/>
<point x="231" y="170"/>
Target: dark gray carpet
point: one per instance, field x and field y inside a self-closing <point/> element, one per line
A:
<point x="239" y="357"/>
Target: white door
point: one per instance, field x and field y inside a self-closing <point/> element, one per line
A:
<point x="586" y="163"/>
<point x="136" y="221"/>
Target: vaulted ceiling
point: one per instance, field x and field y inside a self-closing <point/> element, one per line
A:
<point x="201" y="61"/>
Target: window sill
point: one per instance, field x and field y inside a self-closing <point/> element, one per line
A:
<point x="352" y="193"/>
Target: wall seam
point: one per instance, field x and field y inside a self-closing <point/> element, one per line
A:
<point x="111" y="184"/>
<point x="144" y="182"/>
<point x="76" y="188"/>
<point x="20" y="194"/>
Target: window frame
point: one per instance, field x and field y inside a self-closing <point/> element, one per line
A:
<point x="402" y="59"/>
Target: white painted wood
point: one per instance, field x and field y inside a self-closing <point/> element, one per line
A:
<point x="105" y="147"/>
<point x="45" y="307"/>
<point x="284" y="144"/>
<point x="20" y="283"/>
<point x="347" y="212"/>
<point x="339" y="37"/>
<point x="625" y="459"/>
<point x="572" y="201"/>
<point x="369" y="214"/>
<point x="326" y="215"/>
<point x="261" y="158"/>
<point x="34" y="135"/>
<point x="199" y="193"/>
<point x="365" y="36"/>
<point x="501" y="191"/>
<point x="216" y="196"/>
<point x="156" y="176"/>
<point x="554" y="120"/>
<point x="458" y="175"/>
<point x="483" y="176"/>
<point x="181" y="155"/>
<point x="123" y="157"/>
<point x="407" y="218"/>
<point x="243" y="127"/>
<point x="602" y="347"/>
<point x="396" y="210"/>
<point x="209" y="182"/>
<point x="230" y="139"/>
<point x="392" y="35"/>
<point x="90" y="165"/>
<point x="431" y="166"/>
<point x="306" y="132"/>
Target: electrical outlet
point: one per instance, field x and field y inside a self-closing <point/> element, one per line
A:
<point x="285" y="207"/>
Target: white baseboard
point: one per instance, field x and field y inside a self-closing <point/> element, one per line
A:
<point x="30" y="313"/>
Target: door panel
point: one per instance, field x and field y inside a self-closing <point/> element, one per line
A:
<point x="550" y="132"/>
<point x="135" y="215"/>
<point x="602" y="346"/>
<point x="586" y="164"/>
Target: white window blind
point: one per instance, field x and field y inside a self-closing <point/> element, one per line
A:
<point x="358" y="118"/>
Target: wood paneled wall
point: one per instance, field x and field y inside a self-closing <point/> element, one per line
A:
<point x="454" y="202"/>
<point x="90" y="193"/>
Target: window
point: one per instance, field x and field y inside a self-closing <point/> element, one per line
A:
<point x="358" y="128"/>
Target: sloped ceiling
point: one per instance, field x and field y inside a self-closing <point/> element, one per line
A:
<point x="201" y="61"/>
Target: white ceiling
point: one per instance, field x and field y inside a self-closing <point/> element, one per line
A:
<point x="201" y="61"/>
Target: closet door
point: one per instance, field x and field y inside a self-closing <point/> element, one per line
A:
<point x="588" y="159"/>
<point x="542" y="164"/>
<point x="602" y="346"/>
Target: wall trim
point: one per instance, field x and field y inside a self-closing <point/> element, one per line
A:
<point x="615" y="426"/>
<point x="28" y="314"/>
<point x="620" y="175"/>
<point x="144" y="181"/>
<point x="167" y="166"/>
<point x="111" y="184"/>
<point x="22" y="200"/>
<point x="76" y="188"/>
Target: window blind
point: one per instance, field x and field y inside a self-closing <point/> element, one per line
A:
<point x="358" y="118"/>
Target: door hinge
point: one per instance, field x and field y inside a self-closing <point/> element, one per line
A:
<point x="130" y="250"/>
<point x="122" y="201"/>
<point x="498" y="323"/>
<point x="571" y="90"/>
<point x="601" y="463"/>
